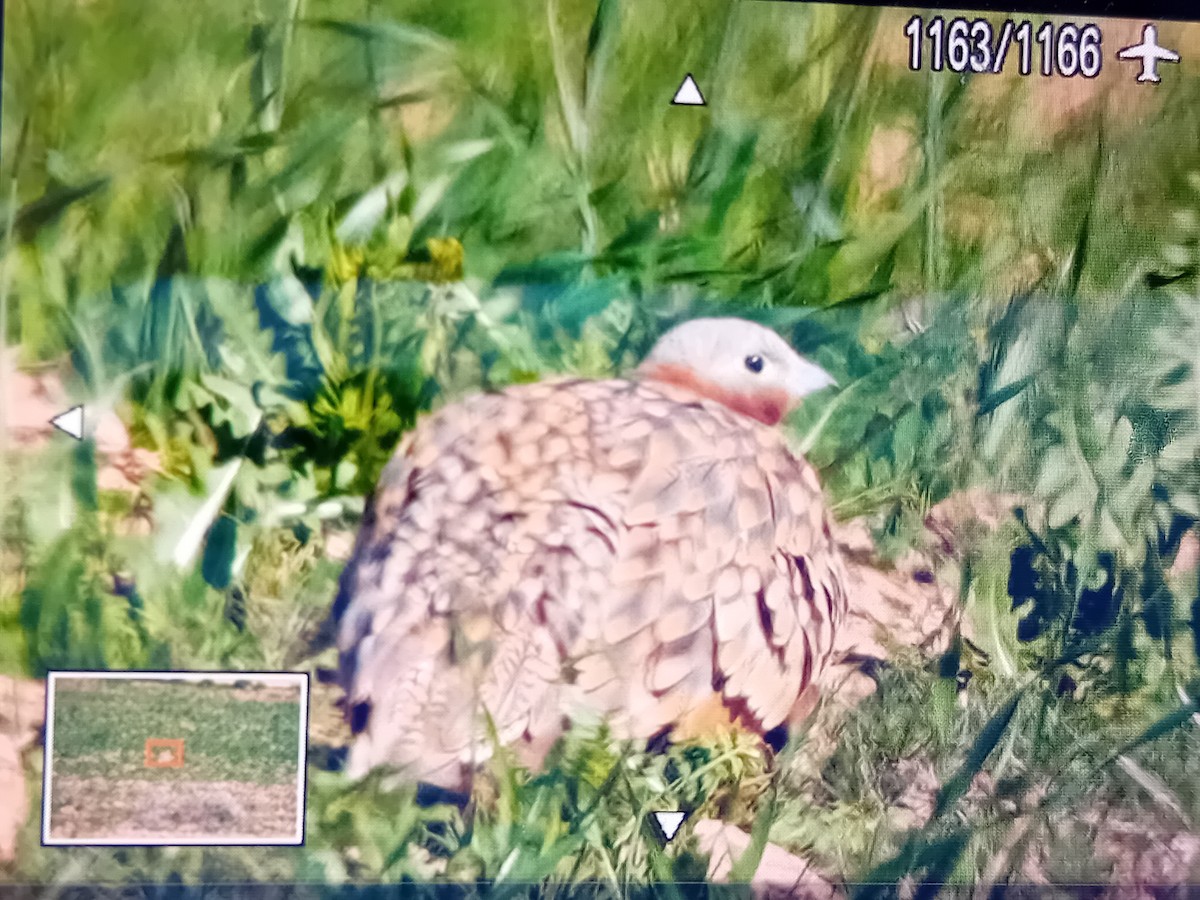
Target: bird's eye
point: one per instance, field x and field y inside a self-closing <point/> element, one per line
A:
<point x="754" y="363"/>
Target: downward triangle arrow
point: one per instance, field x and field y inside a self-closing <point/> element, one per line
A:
<point x="669" y="822"/>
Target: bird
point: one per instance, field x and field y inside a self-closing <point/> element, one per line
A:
<point x="643" y="553"/>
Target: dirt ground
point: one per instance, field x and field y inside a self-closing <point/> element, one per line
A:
<point x="263" y="694"/>
<point x="259" y="693"/>
<point x="160" y="811"/>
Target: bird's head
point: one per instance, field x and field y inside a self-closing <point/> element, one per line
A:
<point x="743" y="365"/>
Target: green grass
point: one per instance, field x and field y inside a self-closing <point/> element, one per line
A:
<point x="101" y="732"/>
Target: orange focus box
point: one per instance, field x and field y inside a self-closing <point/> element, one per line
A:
<point x="164" y="753"/>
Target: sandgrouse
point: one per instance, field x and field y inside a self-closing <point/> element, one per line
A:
<point x="646" y="552"/>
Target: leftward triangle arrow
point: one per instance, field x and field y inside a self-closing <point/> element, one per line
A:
<point x="669" y="822"/>
<point x="70" y="422"/>
<point x="688" y="93"/>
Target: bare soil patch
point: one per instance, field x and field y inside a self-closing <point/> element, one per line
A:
<point x="264" y="694"/>
<point x="260" y="693"/>
<point x="81" y="685"/>
<point x="104" y="809"/>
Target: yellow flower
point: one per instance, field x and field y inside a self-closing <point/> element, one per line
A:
<point x="344" y="263"/>
<point x="446" y="255"/>
<point x="439" y="262"/>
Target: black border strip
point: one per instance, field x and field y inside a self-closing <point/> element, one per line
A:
<point x="471" y="890"/>
<point x="1144" y="11"/>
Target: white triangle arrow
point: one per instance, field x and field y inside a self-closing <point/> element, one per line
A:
<point x="688" y="93"/>
<point x="669" y="822"/>
<point x="70" y="422"/>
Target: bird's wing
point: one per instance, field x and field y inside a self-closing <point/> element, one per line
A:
<point x="799" y="603"/>
<point x="453" y="610"/>
<point x="726" y="579"/>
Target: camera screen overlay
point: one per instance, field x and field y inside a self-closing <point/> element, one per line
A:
<point x="582" y="446"/>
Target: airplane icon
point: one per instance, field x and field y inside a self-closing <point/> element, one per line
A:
<point x="1150" y="53"/>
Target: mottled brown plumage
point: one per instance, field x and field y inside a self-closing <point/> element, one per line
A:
<point x="644" y="551"/>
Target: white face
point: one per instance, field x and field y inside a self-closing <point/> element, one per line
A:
<point x="740" y="357"/>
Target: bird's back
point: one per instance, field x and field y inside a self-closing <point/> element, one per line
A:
<point x="581" y="549"/>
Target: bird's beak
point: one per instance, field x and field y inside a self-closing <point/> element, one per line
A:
<point x="808" y="378"/>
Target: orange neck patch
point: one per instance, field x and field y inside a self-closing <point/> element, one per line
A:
<point x="766" y="406"/>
